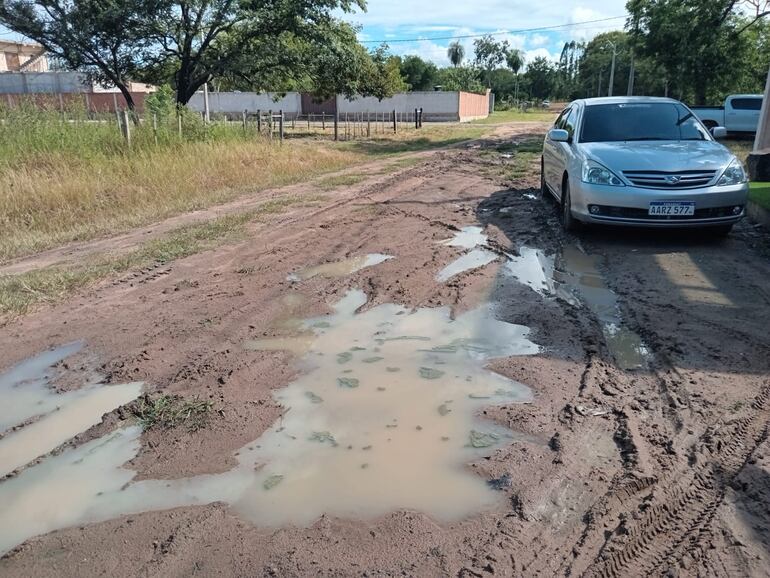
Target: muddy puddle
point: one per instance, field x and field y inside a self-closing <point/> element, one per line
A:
<point x="340" y="268"/>
<point x="473" y="241"/>
<point x="384" y="417"/>
<point x="49" y="418"/>
<point x="574" y="276"/>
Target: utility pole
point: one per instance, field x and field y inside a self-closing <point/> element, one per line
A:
<point x="631" y="74"/>
<point x="206" y="115"/>
<point x="612" y="69"/>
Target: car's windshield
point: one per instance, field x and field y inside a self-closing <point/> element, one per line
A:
<point x="644" y="121"/>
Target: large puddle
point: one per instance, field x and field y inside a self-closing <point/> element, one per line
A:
<point x="383" y="418"/>
<point x="574" y="276"/>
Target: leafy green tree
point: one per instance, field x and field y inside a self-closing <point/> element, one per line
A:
<point x="697" y="43"/>
<point x="466" y="79"/>
<point x="103" y="39"/>
<point x="541" y="77"/>
<point x="489" y="54"/>
<point x="382" y="76"/>
<point x="417" y="73"/>
<point x="456" y="53"/>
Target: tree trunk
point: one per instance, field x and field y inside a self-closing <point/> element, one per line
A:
<point x="129" y="101"/>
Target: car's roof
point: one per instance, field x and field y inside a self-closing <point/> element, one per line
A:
<point x="625" y="100"/>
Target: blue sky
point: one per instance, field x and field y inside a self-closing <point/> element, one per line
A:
<point x="427" y="19"/>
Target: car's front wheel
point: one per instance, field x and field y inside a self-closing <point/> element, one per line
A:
<point x="722" y="231"/>
<point x="568" y="222"/>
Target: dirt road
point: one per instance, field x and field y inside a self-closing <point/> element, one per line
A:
<point x="620" y="414"/>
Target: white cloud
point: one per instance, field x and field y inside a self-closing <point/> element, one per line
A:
<point x="537" y="40"/>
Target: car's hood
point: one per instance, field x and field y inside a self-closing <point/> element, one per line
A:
<point x="669" y="156"/>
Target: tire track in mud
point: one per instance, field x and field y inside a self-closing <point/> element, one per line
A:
<point x="675" y="520"/>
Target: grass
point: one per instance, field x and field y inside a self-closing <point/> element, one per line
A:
<point x="170" y="411"/>
<point x="519" y="157"/>
<point x="516" y="115"/>
<point x="335" y="181"/>
<point x="431" y="136"/>
<point x="18" y="293"/>
<point x="760" y="194"/>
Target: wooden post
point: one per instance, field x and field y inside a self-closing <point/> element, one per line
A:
<point x="308" y="122"/>
<point x="270" y="122"/>
<point x="126" y="128"/>
<point x="179" y="123"/>
<point x="243" y="120"/>
<point x="395" y="127"/>
<point x="155" y="127"/>
<point x="280" y="125"/>
<point x="416" y="122"/>
<point x="368" y="125"/>
<point x="336" y="125"/>
<point x="323" y="121"/>
<point x="259" y="121"/>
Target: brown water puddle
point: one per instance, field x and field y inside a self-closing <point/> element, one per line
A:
<point x="385" y="418"/>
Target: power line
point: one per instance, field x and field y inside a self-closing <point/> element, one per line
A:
<point x="520" y="31"/>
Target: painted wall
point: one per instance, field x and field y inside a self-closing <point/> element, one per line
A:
<point x="436" y="106"/>
<point x="42" y="82"/>
<point x="93" y="102"/>
<point x="473" y="106"/>
<point x="236" y="102"/>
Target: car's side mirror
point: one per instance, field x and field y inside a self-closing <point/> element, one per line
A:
<point x="558" y="135"/>
<point x="719" y="132"/>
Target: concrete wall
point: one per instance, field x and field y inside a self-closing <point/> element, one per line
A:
<point x="42" y="82"/>
<point x="473" y="106"/>
<point x="436" y="105"/>
<point x="236" y="102"/>
<point x="99" y="102"/>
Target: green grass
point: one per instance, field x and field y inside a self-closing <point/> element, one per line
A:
<point x="431" y="136"/>
<point x="760" y="194"/>
<point x="170" y="411"/>
<point x="516" y="115"/>
<point x="518" y="157"/>
<point x="335" y="181"/>
<point x="18" y="293"/>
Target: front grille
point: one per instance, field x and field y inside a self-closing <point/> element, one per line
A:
<point x="642" y="214"/>
<point x="666" y="180"/>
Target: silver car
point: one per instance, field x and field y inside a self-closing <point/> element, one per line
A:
<point x="641" y="161"/>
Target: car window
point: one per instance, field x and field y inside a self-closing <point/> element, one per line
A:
<point x="640" y="121"/>
<point x="569" y="122"/>
<point x="560" y="120"/>
<point x="746" y="103"/>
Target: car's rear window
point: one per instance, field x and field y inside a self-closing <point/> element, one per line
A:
<point x="639" y="122"/>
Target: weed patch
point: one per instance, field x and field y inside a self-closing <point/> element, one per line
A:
<point x="171" y="411"/>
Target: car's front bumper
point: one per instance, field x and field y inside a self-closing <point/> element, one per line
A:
<point x="629" y="205"/>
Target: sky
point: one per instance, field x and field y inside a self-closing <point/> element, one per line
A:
<point x="426" y="20"/>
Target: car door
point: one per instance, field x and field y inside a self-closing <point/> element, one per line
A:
<point x="550" y="153"/>
<point x="742" y="114"/>
<point x="562" y="151"/>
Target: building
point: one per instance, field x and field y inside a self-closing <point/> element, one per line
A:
<point x="22" y="57"/>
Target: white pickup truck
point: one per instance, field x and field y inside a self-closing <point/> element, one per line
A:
<point x="740" y="114"/>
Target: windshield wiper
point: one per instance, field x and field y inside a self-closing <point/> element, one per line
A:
<point x="644" y="138"/>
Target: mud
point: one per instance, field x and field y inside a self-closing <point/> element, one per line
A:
<point x="612" y="468"/>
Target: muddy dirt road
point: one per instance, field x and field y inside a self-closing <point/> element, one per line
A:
<point x="423" y="377"/>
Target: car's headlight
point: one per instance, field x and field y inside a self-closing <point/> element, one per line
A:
<point x="734" y="175"/>
<point x="596" y="174"/>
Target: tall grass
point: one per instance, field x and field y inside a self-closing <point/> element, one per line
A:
<point x="69" y="178"/>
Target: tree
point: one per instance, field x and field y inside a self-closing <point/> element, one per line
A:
<point x="199" y="39"/>
<point x="698" y="43"/>
<point x="489" y="54"/>
<point x="456" y="53"/>
<point x="541" y="77"/>
<point x="103" y="39"/>
<point x="460" y="78"/>
<point x="382" y="77"/>
<point x="417" y="73"/>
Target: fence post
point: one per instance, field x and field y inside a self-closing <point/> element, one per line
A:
<point x="243" y="118"/>
<point x="308" y="122"/>
<point x="336" y="125"/>
<point x="416" y="122"/>
<point x="395" y="127"/>
<point x="155" y="127"/>
<point x="179" y="123"/>
<point x="420" y="117"/>
<point x="323" y="121"/>
<point x="280" y="126"/>
<point x="368" y="125"/>
<point x="259" y="121"/>
<point x="126" y="128"/>
<point x="270" y="122"/>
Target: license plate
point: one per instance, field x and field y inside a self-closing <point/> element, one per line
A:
<point x="676" y="209"/>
